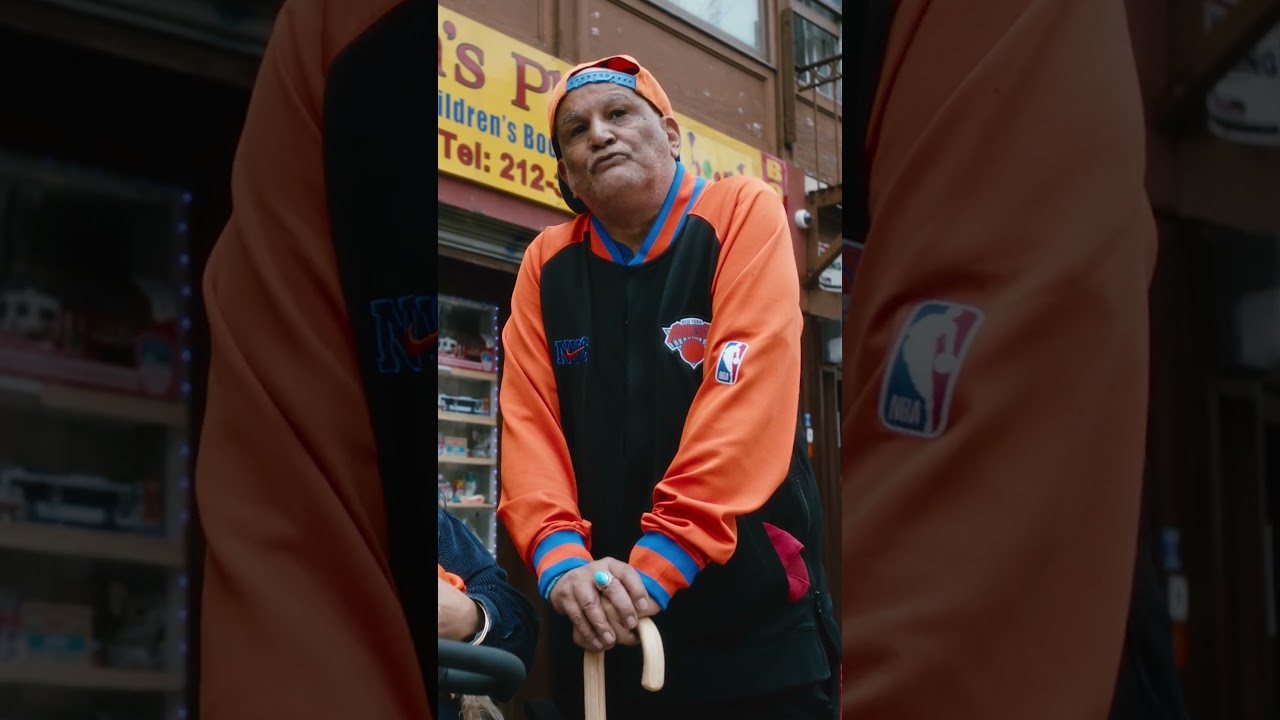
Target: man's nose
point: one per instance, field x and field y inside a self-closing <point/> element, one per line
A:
<point x="600" y="132"/>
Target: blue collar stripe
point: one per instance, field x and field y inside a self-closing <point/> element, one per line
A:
<point x="662" y="216"/>
<point x="622" y="255"/>
<point x="697" y="190"/>
<point x="615" y="250"/>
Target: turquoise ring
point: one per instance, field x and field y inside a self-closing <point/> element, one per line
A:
<point x="602" y="579"/>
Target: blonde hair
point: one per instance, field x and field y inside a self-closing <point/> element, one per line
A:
<point x="479" y="707"/>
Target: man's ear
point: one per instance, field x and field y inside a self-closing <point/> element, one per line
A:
<point x="672" y="128"/>
<point x="562" y="172"/>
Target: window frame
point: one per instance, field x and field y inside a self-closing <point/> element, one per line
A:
<point x="826" y="25"/>
<point x="762" y="54"/>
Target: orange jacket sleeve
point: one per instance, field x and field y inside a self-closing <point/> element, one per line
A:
<point x="539" y="504"/>
<point x="996" y="366"/>
<point x="299" y="614"/>
<point x="738" y="435"/>
<point x="450" y="578"/>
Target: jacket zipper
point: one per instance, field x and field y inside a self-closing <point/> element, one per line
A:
<point x="626" y="367"/>
<point x="795" y="479"/>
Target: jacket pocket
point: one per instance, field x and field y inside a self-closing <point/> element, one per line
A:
<point x="732" y="598"/>
<point x="790" y="554"/>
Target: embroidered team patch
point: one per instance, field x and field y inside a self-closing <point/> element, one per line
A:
<point x="921" y="377"/>
<point x="730" y="362"/>
<point x="688" y="339"/>
<point x="572" y="351"/>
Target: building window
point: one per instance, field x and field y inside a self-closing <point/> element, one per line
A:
<point x="739" y="19"/>
<point x="817" y="39"/>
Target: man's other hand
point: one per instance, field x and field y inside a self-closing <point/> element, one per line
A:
<point x="602" y="618"/>
<point x="459" y="617"/>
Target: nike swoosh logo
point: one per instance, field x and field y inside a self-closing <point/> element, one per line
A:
<point x="570" y="355"/>
<point x="416" y="346"/>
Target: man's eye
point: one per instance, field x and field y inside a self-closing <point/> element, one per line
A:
<point x="578" y="129"/>
<point x="618" y="113"/>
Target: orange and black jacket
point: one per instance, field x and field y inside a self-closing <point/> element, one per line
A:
<point x="649" y="413"/>
<point x="302" y="614"/>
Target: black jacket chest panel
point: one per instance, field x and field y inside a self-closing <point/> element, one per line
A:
<point x="624" y="395"/>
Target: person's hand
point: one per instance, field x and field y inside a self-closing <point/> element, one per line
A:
<point x="625" y="635"/>
<point x="600" y="617"/>
<point x="458" y="616"/>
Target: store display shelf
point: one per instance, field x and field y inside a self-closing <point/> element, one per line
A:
<point x="472" y="506"/>
<point x="54" y="540"/>
<point x="464" y="460"/>
<point x="83" y="401"/>
<point x="456" y="363"/>
<point x="465" y="418"/>
<point x="89" y="678"/>
<point x="469" y="374"/>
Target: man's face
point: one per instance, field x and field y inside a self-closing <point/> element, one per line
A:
<point x="612" y="141"/>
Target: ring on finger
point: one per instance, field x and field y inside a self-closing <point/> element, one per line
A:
<point x="602" y="579"/>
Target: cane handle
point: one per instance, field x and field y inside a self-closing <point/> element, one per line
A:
<point x="652" y="676"/>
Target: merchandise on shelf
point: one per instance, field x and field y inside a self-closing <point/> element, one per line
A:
<point x="481" y="444"/>
<point x="10" y="625"/>
<point x="463" y="489"/>
<point x="87" y="501"/>
<point x="131" y="628"/>
<point x="55" y="633"/>
<point x="12" y="505"/>
<point x="478" y="354"/>
<point x="81" y="303"/>
<point x="463" y="404"/>
<point x="452" y="445"/>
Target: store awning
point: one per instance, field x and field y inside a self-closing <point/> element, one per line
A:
<point x="476" y="238"/>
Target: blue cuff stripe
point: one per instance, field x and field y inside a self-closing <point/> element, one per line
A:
<point x="656" y="591"/>
<point x="667" y="548"/>
<point x="553" y="541"/>
<point x="555" y="571"/>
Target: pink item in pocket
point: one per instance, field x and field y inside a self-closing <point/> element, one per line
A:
<point x="788" y="549"/>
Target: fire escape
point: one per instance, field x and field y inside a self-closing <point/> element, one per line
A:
<point x="813" y="120"/>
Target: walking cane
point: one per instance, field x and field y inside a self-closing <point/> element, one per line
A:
<point x="651" y="677"/>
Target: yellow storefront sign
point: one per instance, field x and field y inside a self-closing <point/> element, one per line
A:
<point x="491" y="112"/>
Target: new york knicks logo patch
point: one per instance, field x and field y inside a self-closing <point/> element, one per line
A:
<point x="730" y="362"/>
<point x="572" y="351"/>
<point x="921" y="377"/>
<point x="688" y="339"/>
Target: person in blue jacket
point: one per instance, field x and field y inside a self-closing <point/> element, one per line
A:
<point x="476" y="604"/>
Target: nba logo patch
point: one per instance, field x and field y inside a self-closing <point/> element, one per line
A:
<point x="730" y="362"/>
<point x="688" y="339"/>
<point x="920" y="379"/>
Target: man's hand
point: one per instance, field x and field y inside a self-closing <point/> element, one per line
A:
<point x="599" y="618"/>
<point x="625" y="635"/>
<point x="459" y="616"/>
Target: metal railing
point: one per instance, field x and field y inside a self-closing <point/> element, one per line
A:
<point x="813" y="79"/>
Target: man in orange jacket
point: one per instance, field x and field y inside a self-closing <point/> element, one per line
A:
<point x="652" y="460"/>
<point x="995" y="396"/>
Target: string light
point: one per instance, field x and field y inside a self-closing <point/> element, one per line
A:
<point x="493" y="444"/>
<point x="184" y="280"/>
